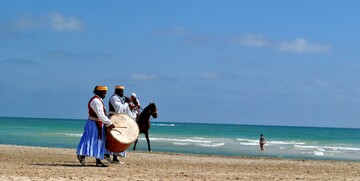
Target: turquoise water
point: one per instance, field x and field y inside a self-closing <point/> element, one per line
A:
<point x="195" y="138"/>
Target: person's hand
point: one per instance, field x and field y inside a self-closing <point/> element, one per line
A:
<point x="135" y="102"/>
<point x="131" y="106"/>
<point x="111" y="126"/>
<point x="127" y="100"/>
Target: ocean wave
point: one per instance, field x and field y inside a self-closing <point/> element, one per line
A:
<point x="180" y="143"/>
<point x="196" y="141"/>
<point x="327" y="148"/>
<point x="249" y="144"/>
<point x="181" y="140"/>
<point x="244" y="141"/>
<point x="169" y="125"/>
<point x="285" y="142"/>
<point x="211" y="145"/>
<point x="319" y="153"/>
<point x="71" y="134"/>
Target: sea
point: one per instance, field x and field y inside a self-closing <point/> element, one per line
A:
<point x="233" y="140"/>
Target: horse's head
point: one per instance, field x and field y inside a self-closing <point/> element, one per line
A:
<point x="153" y="110"/>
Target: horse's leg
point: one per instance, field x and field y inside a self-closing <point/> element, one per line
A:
<point x="134" y="148"/>
<point x="148" y="141"/>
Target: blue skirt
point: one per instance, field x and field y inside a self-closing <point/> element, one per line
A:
<point x="122" y="154"/>
<point x="90" y="144"/>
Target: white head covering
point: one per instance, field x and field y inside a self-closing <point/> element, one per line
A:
<point x="133" y="95"/>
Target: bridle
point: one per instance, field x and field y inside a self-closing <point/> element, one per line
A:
<point x="151" y="112"/>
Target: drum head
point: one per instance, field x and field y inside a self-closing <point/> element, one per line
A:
<point x="126" y="129"/>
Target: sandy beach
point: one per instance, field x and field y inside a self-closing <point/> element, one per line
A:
<point x="35" y="163"/>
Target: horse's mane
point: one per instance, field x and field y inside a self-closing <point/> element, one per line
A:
<point x="146" y="110"/>
<point x="148" y="106"/>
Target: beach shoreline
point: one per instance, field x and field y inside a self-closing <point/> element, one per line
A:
<point x="39" y="163"/>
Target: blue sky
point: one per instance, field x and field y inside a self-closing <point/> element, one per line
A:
<point x="240" y="62"/>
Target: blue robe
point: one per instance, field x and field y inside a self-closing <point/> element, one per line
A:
<point x="90" y="144"/>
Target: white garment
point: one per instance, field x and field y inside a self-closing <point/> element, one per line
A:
<point x="118" y="103"/>
<point x="121" y="106"/>
<point x="136" y="110"/>
<point x="97" y="105"/>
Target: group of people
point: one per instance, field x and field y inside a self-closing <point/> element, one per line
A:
<point x="93" y="140"/>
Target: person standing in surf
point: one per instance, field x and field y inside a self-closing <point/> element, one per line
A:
<point x="92" y="142"/>
<point x="262" y="142"/>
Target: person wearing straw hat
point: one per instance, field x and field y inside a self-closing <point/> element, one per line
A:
<point x="118" y="104"/>
<point x="92" y="142"/>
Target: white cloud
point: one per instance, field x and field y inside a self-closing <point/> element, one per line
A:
<point x="301" y="45"/>
<point x="209" y="74"/>
<point x="58" y="22"/>
<point x="77" y="56"/>
<point x="19" y="61"/>
<point x="253" y="40"/>
<point x="213" y="75"/>
<point x="53" y="21"/>
<point x="174" y="31"/>
<point x="139" y="76"/>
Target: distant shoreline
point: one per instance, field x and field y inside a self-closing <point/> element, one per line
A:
<point x="40" y="163"/>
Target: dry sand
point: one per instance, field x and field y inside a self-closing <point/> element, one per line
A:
<point x="34" y="163"/>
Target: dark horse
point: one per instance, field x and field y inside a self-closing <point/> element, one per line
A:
<point x="144" y="122"/>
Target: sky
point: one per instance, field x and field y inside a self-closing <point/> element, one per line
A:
<point x="290" y="63"/>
